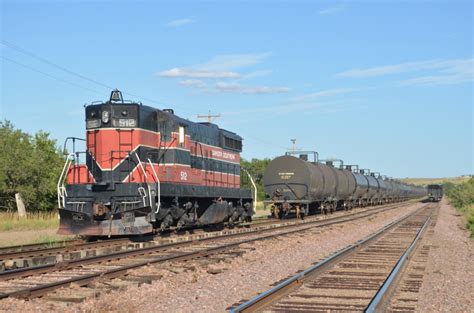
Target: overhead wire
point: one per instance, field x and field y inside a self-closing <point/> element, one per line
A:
<point x="81" y="76"/>
<point x="49" y="75"/>
<point x="94" y="81"/>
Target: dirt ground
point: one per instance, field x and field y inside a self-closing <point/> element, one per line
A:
<point x="449" y="276"/>
<point x="448" y="284"/>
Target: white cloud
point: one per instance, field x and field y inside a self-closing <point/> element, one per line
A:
<point x="233" y="61"/>
<point x="325" y="93"/>
<point x="237" y="88"/>
<point x="259" y="73"/>
<point x="180" y="22"/>
<point x="197" y="73"/>
<point x="220" y="66"/>
<point x="193" y="83"/>
<point x="445" y="71"/>
<point x="332" y="10"/>
<point x="457" y="72"/>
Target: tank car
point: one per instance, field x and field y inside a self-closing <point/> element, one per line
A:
<point x="292" y="183"/>
<point x="147" y="169"/>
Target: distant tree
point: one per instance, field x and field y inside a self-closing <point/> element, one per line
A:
<point x="29" y="165"/>
<point x="256" y="168"/>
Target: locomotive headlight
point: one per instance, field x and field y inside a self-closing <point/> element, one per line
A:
<point x="105" y="117"/>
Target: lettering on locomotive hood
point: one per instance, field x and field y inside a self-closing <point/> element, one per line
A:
<point x="224" y="155"/>
<point x="286" y="175"/>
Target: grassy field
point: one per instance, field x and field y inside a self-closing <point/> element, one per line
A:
<point x="33" y="221"/>
<point x="461" y="196"/>
<point x="468" y="212"/>
<point x="428" y="181"/>
<point x="36" y="228"/>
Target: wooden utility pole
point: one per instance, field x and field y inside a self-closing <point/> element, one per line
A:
<point x="20" y="206"/>
<point x="209" y="117"/>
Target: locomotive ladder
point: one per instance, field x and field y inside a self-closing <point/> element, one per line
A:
<point x="125" y="148"/>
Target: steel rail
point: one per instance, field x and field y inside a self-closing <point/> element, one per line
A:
<point x="67" y="248"/>
<point x="275" y="293"/>
<point x="86" y="246"/>
<point x="37" y="246"/>
<point x="31" y="250"/>
<point x="41" y="269"/>
<point x="83" y="280"/>
<point x="381" y="297"/>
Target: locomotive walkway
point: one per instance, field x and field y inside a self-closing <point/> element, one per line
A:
<point x="360" y="277"/>
<point x="39" y="280"/>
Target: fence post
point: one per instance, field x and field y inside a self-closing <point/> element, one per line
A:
<point x="20" y="206"/>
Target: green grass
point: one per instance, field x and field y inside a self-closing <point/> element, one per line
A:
<point x="429" y="181"/>
<point x="468" y="212"/>
<point x="462" y="198"/>
<point x="9" y="221"/>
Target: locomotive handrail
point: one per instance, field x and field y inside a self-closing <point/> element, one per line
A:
<point x="73" y="143"/>
<point x="254" y="206"/>
<point x="60" y="186"/>
<point x="144" y="175"/>
<point x="158" y="185"/>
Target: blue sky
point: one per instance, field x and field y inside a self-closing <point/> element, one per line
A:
<point x="384" y="84"/>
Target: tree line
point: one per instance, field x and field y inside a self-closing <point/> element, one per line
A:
<point x="29" y="165"/>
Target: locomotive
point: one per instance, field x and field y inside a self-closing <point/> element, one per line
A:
<point x="146" y="169"/>
<point x="435" y="192"/>
<point x="292" y="183"/>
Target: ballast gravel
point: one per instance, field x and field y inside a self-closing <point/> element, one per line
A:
<point x="214" y="287"/>
<point x="448" y="285"/>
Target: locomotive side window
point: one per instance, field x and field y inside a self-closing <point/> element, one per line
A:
<point x="233" y="144"/>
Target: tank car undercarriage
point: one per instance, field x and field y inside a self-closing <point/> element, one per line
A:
<point x="281" y="208"/>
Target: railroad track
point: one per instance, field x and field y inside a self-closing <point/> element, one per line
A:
<point x="41" y="254"/>
<point x="360" y="277"/>
<point x="40" y="280"/>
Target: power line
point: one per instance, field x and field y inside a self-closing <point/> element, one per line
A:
<point x="48" y="75"/>
<point x="44" y="60"/>
<point x="31" y="54"/>
<point x="62" y="68"/>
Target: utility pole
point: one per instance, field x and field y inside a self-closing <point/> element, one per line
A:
<point x="209" y="117"/>
<point x="294" y="145"/>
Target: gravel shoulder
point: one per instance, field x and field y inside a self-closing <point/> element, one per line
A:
<point x="193" y="287"/>
<point x="448" y="285"/>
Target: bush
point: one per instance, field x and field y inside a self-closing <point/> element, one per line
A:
<point x="256" y="168"/>
<point x="462" y="197"/>
<point x="29" y="165"/>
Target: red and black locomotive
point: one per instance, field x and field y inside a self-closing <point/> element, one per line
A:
<point x="147" y="169"/>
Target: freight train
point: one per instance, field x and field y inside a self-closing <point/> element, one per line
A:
<point x="292" y="183"/>
<point x="435" y="192"/>
<point x="147" y="169"/>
